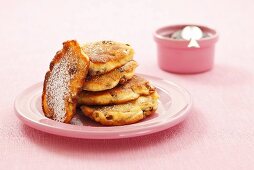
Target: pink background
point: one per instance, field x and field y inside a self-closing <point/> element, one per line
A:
<point x="219" y="133"/>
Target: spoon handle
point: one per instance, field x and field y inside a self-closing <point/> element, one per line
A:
<point x="193" y="44"/>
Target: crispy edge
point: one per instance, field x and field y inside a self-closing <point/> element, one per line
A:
<point x="71" y="100"/>
<point x="112" y="51"/>
<point x="110" y="60"/>
<point x="119" y="94"/>
<point x="119" y="76"/>
<point x="103" y="119"/>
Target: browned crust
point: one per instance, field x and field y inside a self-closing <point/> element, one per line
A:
<point x="45" y="107"/>
<point x="131" y="90"/>
<point x="136" y="118"/>
<point x="107" y="55"/>
<point x="122" y="114"/>
<point x="111" y="79"/>
<point x="78" y="71"/>
<point x="106" y="51"/>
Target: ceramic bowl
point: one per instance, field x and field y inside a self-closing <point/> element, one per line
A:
<point x="175" y="56"/>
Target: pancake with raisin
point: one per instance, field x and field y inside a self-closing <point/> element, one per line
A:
<point x="131" y="90"/>
<point x="110" y="79"/>
<point x="122" y="114"/>
<point x="106" y="56"/>
<point x="64" y="81"/>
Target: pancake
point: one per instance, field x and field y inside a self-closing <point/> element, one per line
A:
<point x="110" y="79"/>
<point x="131" y="90"/>
<point x="63" y="82"/>
<point x="123" y="114"/>
<point x="107" y="55"/>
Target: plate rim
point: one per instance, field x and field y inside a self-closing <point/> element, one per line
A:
<point x="171" y="121"/>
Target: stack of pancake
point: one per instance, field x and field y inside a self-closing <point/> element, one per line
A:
<point x="99" y="78"/>
<point x="112" y="94"/>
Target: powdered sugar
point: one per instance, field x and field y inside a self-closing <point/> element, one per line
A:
<point x="57" y="89"/>
<point x="104" y="51"/>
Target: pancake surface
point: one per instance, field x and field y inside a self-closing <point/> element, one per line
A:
<point x="123" y="114"/>
<point x="63" y="81"/>
<point x="131" y="90"/>
<point x="110" y="79"/>
<point x="106" y="56"/>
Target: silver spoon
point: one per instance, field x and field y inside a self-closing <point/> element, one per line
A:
<point x="192" y="34"/>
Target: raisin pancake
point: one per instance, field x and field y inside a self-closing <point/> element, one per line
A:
<point x="110" y="79"/>
<point x="131" y="90"/>
<point x="63" y="82"/>
<point x="107" y="55"/>
<point x="123" y="114"/>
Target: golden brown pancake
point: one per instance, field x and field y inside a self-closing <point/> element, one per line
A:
<point x="107" y="55"/>
<point x="131" y="90"/>
<point x="63" y="82"/>
<point x="110" y="79"/>
<point x="123" y="114"/>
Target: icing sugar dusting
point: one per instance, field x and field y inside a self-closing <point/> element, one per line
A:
<point x="104" y="51"/>
<point x="58" y="86"/>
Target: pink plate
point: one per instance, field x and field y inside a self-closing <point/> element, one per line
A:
<point x="174" y="105"/>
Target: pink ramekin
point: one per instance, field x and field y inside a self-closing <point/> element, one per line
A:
<point x="175" y="55"/>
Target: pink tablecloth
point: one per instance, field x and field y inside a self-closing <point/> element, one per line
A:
<point x="218" y="134"/>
